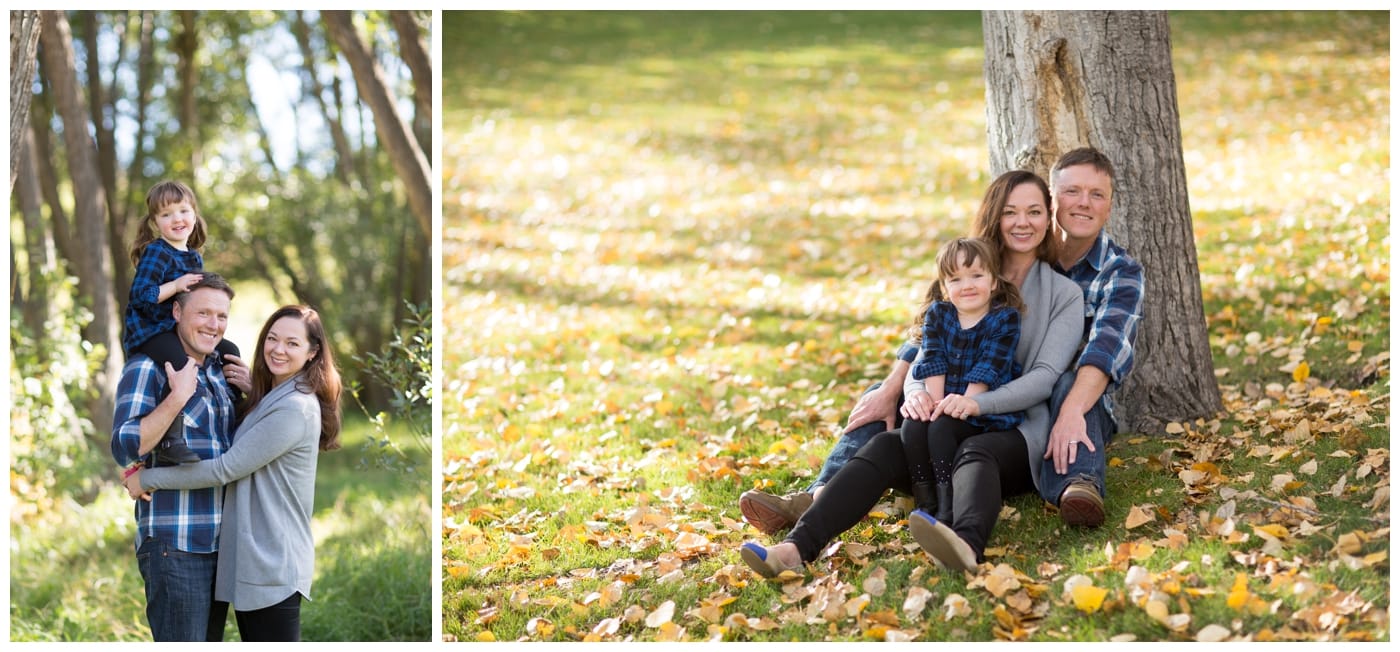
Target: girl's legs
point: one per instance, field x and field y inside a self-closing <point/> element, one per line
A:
<point x="918" y="441"/>
<point x="944" y="436"/>
<point x="165" y="347"/>
<point x="879" y="465"/>
<point x="280" y="622"/>
<point x="171" y="450"/>
<point x="989" y="468"/>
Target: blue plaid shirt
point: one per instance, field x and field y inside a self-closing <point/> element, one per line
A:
<point x="160" y="263"/>
<point x="188" y="520"/>
<point x="985" y="353"/>
<point x="1113" y="289"/>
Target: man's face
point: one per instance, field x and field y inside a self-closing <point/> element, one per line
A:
<point x="1083" y="199"/>
<point x="200" y="323"/>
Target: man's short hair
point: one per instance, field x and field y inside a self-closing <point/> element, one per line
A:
<point x="210" y="280"/>
<point x="1083" y="156"/>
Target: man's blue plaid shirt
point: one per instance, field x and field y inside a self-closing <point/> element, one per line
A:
<point x="160" y="263"/>
<point x="1113" y="289"/>
<point x="188" y="520"/>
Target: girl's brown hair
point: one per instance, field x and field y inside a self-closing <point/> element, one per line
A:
<point x="319" y="376"/>
<point x="159" y="196"/>
<point x="988" y="223"/>
<point x="963" y="252"/>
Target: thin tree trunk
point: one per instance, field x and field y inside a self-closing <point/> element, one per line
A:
<point x="42" y="117"/>
<point x="38" y="260"/>
<point x="24" y="44"/>
<point x="1057" y="80"/>
<point x="344" y="157"/>
<point x="100" y="108"/>
<point x="186" y="46"/>
<point x="408" y="159"/>
<point x="95" y="265"/>
<point x="145" y="71"/>
<point x="420" y="66"/>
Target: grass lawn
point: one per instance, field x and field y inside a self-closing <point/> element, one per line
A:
<point x="678" y="245"/>
<point x="73" y="574"/>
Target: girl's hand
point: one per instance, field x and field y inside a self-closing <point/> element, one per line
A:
<point x="183" y="283"/>
<point x="959" y="407"/>
<point x="133" y="486"/>
<point x="919" y="405"/>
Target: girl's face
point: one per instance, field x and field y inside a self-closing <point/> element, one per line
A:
<point x="969" y="288"/>
<point x="286" y="349"/>
<point x="176" y="221"/>
<point x="1024" y="219"/>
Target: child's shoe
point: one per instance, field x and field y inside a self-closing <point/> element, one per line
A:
<point x="944" y="514"/>
<point x="172" y="450"/>
<point x="763" y="561"/>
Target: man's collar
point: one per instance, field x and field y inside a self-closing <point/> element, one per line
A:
<point x="1097" y="253"/>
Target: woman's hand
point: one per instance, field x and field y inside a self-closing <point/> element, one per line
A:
<point x="958" y="407"/>
<point x="133" y="486"/>
<point x="919" y="405"/>
<point x="236" y="373"/>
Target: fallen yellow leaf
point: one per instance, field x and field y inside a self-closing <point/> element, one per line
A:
<point x="1301" y="372"/>
<point x="1088" y="598"/>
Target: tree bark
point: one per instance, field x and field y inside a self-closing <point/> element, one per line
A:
<point x="41" y="119"/>
<point x="344" y="157"/>
<point x="24" y="44"/>
<point x="186" y="46"/>
<point x="420" y="66"/>
<point x="94" y="264"/>
<point x="1057" y="80"/>
<point x="408" y="159"/>
<point x="100" y="108"/>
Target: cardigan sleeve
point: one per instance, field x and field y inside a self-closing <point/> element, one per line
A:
<point x="281" y="429"/>
<point x="1053" y="347"/>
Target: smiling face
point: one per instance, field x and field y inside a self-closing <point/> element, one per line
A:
<point x="1083" y="199"/>
<point x="1024" y="220"/>
<point x="200" y="320"/>
<point x="287" y="348"/>
<point x="176" y="221"/>
<point x="969" y="288"/>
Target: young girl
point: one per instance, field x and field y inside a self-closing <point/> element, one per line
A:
<point x="970" y="327"/>
<point x="167" y="261"/>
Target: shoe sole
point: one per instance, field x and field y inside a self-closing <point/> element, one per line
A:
<point x="1081" y="511"/>
<point x="757" y="563"/>
<point x="763" y="517"/>
<point x="941" y="543"/>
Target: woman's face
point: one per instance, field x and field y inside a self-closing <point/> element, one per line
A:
<point x="1024" y="219"/>
<point x="286" y="349"/>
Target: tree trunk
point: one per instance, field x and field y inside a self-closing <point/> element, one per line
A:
<point x="41" y="121"/>
<point x="95" y="263"/>
<point x="35" y="309"/>
<point x="145" y="71"/>
<point x="186" y="46"/>
<point x="1057" y="80"/>
<point x="24" y="44"/>
<point x="344" y="158"/>
<point x="421" y="68"/>
<point x="408" y="159"/>
<point x="100" y="108"/>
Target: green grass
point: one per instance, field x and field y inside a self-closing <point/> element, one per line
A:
<point x="677" y="246"/>
<point x="73" y="574"/>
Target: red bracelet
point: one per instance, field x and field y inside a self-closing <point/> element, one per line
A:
<point x="127" y="473"/>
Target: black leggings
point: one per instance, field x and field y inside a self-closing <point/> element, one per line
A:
<point x="930" y="447"/>
<point x="987" y="469"/>
<point x="166" y="347"/>
<point x="280" y="622"/>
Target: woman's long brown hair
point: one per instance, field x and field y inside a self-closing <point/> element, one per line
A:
<point x="319" y="376"/>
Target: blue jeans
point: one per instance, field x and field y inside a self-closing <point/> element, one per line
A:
<point x="180" y="603"/>
<point x="851" y="442"/>
<point x="1090" y="466"/>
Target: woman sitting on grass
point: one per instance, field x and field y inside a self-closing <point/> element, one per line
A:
<point x="1015" y="215"/>
<point x="266" y="552"/>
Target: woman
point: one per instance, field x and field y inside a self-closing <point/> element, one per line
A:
<point x="1015" y="216"/>
<point x="266" y="552"/>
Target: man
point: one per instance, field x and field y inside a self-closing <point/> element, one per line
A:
<point x="178" y="531"/>
<point x="1080" y="406"/>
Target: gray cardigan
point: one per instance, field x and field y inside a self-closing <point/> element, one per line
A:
<point x="1052" y="326"/>
<point x="266" y="551"/>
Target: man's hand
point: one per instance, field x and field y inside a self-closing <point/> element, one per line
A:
<point x="237" y="374"/>
<point x="133" y="486"/>
<point x="1068" y="432"/>
<point x="183" y="382"/>
<point x="875" y="405"/>
<point x="958" y="407"/>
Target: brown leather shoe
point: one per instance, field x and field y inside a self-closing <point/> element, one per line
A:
<point x="770" y="513"/>
<point x="1081" y="505"/>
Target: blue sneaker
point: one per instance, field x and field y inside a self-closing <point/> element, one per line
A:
<point x="762" y="561"/>
<point x="941" y="543"/>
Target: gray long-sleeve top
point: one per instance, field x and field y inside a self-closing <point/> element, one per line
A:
<point x="1052" y="327"/>
<point x="266" y="551"/>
